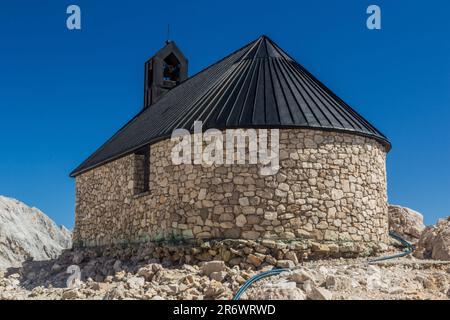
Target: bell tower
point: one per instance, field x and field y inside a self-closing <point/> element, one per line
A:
<point x="166" y="69"/>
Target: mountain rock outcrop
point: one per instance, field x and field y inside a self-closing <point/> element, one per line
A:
<point x="406" y="222"/>
<point x="435" y="241"/>
<point x="27" y="233"/>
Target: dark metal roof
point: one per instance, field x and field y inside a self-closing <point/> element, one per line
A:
<point x="257" y="86"/>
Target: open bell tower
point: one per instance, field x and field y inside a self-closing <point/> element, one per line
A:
<point x="166" y="69"/>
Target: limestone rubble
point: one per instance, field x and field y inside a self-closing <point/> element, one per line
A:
<point x="109" y="278"/>
<point x="216" y="269"/>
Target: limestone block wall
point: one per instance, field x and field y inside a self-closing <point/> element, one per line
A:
<point x="331" y="187"/>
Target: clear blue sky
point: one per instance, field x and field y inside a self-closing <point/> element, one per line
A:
<point x="63" y="93"/>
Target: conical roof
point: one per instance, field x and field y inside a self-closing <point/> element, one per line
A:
<point x="258" y="86"/>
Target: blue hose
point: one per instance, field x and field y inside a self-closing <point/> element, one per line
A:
<point x="273" y="272"/>
<point x="255" y="278"/>
<point x="409" y="249"/>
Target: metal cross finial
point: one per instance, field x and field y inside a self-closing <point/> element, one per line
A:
<point x="168" y="34"/>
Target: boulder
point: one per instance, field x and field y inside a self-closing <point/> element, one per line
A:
<point x="287" y="264"/>
<point x="72" y="294"/>
<point x="146" y="272"/>
<point x="290" y="255"/>
<point x="435" y="242"/>
<point x="255" y="259"/>
<point x="278" y="291"/>
<point x="300" y="276"/>
<point x="340" y="283"/>
<point x="213" y="266"/>
<point x="116" y="293"/>
<point x="214" y="289"/>
<point x="135" y="282"/>
<point x="406" y="222"/>
<point x="218" y="275"/>
<point x="319" y="293"/>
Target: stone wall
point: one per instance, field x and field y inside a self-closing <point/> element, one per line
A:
<point x="331" y="187"/>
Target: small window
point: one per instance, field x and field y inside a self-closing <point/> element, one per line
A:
<point x="142" y="170"/>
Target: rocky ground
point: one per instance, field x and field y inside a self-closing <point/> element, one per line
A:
<point x="407" y="278"/>
<point x="164" y="271"/>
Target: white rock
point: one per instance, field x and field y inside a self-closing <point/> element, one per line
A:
<point x="28" y="233"/>
<point x="244" y="201"/>
<point x="270" y="215"/>
<point x="290" y="255"/>
<point x="288" y="264"/>
<point x="434" y="242"/>
<point x="318" y="293"/>
<point x="307" y="286"/>
<point x="146" y="272"/>
<point x="335" y="282"/>
<point x="279" y="291"/>
<point x="71" y="294"/>
<point x="336" y="194"/>
<point x="300" y="276"/>
<point x="241" y="220"/>
<point x="136" y="282"/>
<point x="406" y="222"/>
<point x="213" y="266"/>
<point x="218" y="275"/>
<point x="283" y="187"/>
